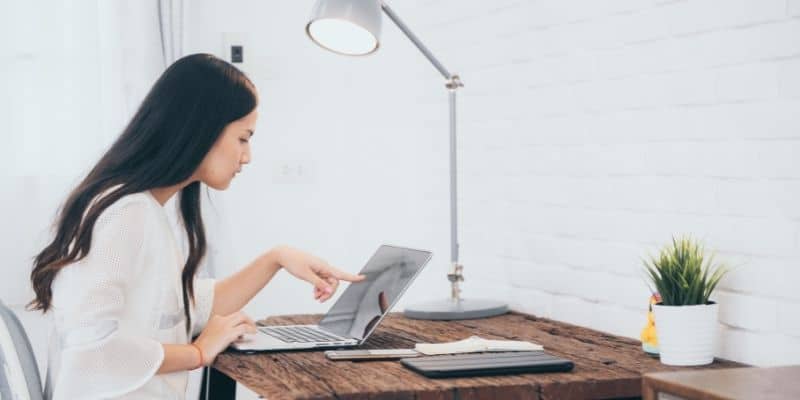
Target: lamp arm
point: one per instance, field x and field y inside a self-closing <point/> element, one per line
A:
<point x="453" y="81"/>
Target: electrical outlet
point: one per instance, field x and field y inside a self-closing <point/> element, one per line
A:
<point x="294" y="172"/>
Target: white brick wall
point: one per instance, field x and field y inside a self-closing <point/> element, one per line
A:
<point x="593" y="131"/>
<point x="590" y="132"/>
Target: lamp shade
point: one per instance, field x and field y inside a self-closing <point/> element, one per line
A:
<point x="351" y="27"/>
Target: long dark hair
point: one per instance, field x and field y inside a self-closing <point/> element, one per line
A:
<point x="176" y="125"/>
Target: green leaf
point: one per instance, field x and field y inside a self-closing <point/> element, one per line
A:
<point x="682" y="274"/>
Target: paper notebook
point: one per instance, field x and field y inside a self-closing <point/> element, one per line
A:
<point x="475" y="344"/>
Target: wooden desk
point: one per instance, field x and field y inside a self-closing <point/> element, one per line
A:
<point x="606" y="366"/>
<point x="779" y="383"/>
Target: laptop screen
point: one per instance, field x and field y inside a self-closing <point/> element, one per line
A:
<point x="388" y="273"/>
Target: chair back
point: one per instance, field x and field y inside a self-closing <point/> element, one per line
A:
<point x="19" y="373"/>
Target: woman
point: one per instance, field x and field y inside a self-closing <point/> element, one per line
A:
<point x="125" y="301"/>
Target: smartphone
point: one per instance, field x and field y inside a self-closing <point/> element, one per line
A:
<point x="376" y="354"/>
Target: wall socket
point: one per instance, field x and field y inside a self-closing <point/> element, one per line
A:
<point x="294" y="172"/>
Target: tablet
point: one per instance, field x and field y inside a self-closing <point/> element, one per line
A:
<point x="482" y="364"/>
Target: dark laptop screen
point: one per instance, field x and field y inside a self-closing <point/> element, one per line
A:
<point x="388" y="273"/>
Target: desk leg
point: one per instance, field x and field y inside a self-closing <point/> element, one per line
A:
<point x="649" y="391"/>
<point x="217" y="386"/>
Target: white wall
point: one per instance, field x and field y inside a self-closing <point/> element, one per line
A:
<point x="371" y="131"/>
<point x="617" y="124"/>
<point x="590" y="132"/>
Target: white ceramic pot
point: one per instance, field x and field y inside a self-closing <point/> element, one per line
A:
<point x="686" y="334"/>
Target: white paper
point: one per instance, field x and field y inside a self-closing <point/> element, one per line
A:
<point x="475" y="344"/>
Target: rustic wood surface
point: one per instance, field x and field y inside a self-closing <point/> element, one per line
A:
<point x="606" y="366"/>
<point x="777" y="383"/>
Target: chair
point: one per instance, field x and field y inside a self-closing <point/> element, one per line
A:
<point x="19" y="373"/>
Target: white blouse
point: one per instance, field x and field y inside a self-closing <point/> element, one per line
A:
<point x="114" y="308"/>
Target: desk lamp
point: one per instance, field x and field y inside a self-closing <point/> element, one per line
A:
<point x="353" y="27"/>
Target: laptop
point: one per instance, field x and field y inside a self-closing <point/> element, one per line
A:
<point x="357" y="312"/>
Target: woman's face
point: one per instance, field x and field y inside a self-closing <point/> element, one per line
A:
<point x="230" y="152"/>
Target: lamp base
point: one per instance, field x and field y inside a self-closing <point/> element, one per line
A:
<point x="448" y="310"/>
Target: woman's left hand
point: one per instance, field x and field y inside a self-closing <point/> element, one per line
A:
<point x="314" y="270"/>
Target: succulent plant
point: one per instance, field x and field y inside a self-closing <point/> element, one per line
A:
<point x="682" y="274"/>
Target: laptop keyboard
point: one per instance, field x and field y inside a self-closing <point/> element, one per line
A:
<point x="300" y="334"/>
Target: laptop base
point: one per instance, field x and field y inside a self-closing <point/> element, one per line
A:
<point x="262" y="342"/>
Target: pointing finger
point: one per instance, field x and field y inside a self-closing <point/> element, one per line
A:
<point x="346" y="276"/>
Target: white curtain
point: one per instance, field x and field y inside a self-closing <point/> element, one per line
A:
<point x="171" y="16"/>
<point x="71" y="75"/>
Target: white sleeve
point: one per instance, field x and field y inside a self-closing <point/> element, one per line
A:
<point x="98" y="359"/>
<point x="203" y="302"/>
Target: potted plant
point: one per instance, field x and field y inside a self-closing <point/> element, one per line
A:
<point x="686" y="320"/>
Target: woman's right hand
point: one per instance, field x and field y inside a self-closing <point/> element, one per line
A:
<point x="220" y="332"/>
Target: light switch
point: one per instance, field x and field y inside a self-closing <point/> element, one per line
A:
<point x="237" y="54"/>
<point x="233" y="45"/>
